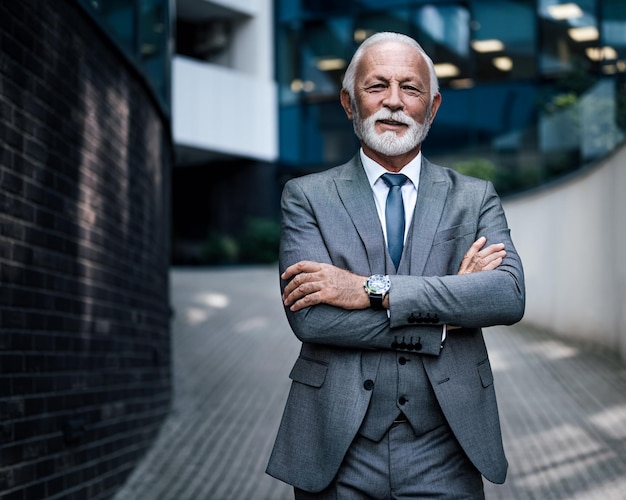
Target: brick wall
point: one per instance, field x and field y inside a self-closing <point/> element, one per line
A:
<point x="84" y="254"/>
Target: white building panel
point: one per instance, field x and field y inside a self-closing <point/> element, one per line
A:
<point x="224" y="111"/>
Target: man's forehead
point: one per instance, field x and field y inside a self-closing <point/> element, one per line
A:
<point x="392" y="47"/>
<point x="393" y="54"/>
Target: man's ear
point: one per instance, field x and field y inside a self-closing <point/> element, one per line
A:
<point x="346" y="103"/>
<point x="435" y="106"/>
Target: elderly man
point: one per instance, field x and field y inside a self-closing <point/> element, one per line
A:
<point x="390" y="267"/>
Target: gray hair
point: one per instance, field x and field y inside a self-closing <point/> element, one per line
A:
<point x="349" y="78"/>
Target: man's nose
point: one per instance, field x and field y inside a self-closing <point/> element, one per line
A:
<point x="393" y="99"/>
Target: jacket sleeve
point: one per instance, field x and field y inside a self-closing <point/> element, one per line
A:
<point x="474" y="300"/>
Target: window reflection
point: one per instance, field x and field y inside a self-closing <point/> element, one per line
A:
<point x="444" y="33"/>
<point x="567" y="31"/>
<point x="153" y="44"/>
<point x="538" y="88"/>
<point x="324" y="57"/>
<point x="503" y="42"/>
<point x="141" y="29"/>
<point x="119" y="18"/>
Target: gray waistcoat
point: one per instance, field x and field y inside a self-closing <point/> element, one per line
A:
<point x="401" y="385"/>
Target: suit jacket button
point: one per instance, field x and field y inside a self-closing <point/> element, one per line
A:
<point x="368" y="385"/>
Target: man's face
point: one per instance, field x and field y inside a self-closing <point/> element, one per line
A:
<point x="392" y="108"/>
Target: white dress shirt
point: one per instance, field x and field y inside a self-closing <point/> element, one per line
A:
<point x="409" y="190"/>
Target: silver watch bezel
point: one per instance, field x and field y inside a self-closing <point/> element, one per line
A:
<point x="378" y="285"/>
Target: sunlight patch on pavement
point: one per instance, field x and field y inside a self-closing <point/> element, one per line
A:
<point x="195" y="316"/>
<point x="251" y="324"/>
<point x="203" y="307"/>
<point x="552" y="349"/>
<point x="217" y="300"/>
<point x="612" y="421"/>
<point x="560" y="453"/>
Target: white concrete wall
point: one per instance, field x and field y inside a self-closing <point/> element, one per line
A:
<point x="572" y="241"/>
<point x="223" y="110"/>
<point x="253" y="44"/>
<point x="231" y="108"/>
<point x="250" y="7"/>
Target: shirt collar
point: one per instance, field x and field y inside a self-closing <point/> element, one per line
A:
<point x="374" y="170"/>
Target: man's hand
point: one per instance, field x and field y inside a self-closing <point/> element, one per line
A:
<point x="316" y="283"/>
<point x="487" y="259"/>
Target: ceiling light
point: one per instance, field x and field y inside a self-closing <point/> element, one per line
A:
<point x="298" y="85"/>
<point x="584" y="34"/>
<point x="503" y="63"/>
<point x="446" y="70"/>
<point x="361" y="34"/>
<point x="565" y="11"/>
<point x="601" y="53"/>
<point x="462" y="83"/>
<point x="487" y="45"/>
<point x="331" y="64"/>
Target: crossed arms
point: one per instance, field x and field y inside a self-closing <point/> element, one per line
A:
<point x="312" y="283"/>
<point x="327" y="304"/>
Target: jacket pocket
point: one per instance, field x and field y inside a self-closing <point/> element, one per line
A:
<point x="453" y="233"/>
<point x="309" y="371"/>
<point x="485" y="373"/>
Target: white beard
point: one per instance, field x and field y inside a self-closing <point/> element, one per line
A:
<point x="389" y="143"/>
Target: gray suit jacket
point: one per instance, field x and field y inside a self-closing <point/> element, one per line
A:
<point x="331" y="217"/>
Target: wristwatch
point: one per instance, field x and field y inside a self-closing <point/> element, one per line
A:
<point x="377" y="286"/>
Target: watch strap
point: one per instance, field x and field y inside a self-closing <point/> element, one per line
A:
<point x="376" y="301"/>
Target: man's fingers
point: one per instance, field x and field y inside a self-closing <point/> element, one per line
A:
<point x="478" y="258"/>
<point x="492" y="264"/>
<point x="304" y="266"/>
<point x="305" y="301"/>
<point x="477" y="245"/>
<point x="299" y="286"/>
<point x="474" y="249"/>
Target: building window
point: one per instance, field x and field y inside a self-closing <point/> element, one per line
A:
<point x="141" y="29"/>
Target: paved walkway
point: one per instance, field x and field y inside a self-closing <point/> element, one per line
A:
<point x="563" y="408"/>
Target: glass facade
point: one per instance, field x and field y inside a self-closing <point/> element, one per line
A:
<point x="141" y="29"/>
<point x="531" y="89"/>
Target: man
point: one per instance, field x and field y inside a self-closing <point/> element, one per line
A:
<point x="392" y="394"/>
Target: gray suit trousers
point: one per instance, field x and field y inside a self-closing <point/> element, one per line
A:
<point x="428" y="466"/>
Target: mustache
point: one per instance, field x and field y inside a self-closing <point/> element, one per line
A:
<point x="396" y="116"/>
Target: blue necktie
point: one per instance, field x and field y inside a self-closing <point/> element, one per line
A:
<point x="394" y="216"/>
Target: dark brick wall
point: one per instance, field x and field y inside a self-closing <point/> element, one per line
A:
<point x="84" y="253"/>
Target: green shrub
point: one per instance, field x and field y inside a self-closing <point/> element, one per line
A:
<point x="259" y="241"/>
<point x="219" y="249"/>
<point x="480" y="168"/>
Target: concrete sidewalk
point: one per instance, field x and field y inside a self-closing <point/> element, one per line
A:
<point x="563" y="408"/>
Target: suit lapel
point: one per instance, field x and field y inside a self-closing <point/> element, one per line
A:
<point x="356" y="195"/>
<point x="431" y="199"/>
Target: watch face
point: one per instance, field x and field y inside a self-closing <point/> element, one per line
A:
<point x="377" y="284"/>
